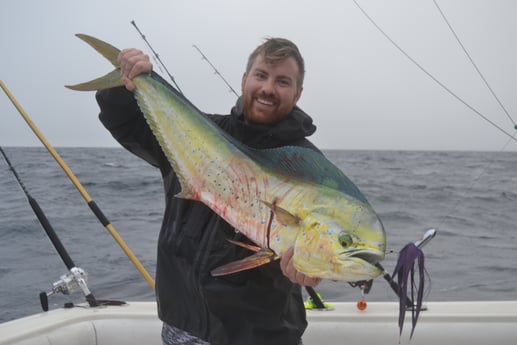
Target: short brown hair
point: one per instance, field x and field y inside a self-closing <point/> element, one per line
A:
<point x="275" y="50"/>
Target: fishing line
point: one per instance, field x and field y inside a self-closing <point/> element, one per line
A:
<point x="479" y="73"/>
<point x="475" y="180"/>
<point x="432" y="76"/>
<point x="91" y="203"/>
<point x="511" y="137"/>
<point x="473" y="63"/>
<point x="203" y="57"/>
<point x="156" y="56"/>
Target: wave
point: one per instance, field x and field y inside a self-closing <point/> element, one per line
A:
<point x="470" y="258"/>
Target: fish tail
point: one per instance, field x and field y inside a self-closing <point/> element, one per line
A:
<point x="112" y="79"/>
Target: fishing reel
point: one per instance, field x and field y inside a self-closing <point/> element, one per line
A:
<point x="66" y="285"/>
<point x="365" y="286"/>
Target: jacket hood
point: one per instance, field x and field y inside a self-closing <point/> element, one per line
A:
<point x="295" y="126"/>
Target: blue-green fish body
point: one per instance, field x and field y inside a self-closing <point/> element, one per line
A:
<point x="279" y="198"/>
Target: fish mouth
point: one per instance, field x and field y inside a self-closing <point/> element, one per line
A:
<point x="369" y="258"/>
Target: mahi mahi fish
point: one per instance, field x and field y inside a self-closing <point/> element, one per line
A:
<point x="278" y="198"/>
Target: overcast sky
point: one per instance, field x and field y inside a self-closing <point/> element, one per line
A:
<point x="361" y="91"/>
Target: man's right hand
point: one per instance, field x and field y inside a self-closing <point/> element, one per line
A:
<point x="133" y="62"/>
<point x="288" y="269"/>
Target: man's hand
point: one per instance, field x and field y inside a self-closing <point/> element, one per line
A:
<point x="286" y="264"/>
<point x="133" y="62"/>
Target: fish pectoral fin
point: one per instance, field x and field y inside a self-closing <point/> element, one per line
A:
<point x="186" y="194"/>
<point x="262" y="257"/>
<point x="283" y="216"/>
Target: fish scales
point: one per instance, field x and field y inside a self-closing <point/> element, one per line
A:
<point x="210" y="168"/>
<point x="278" y="198"/>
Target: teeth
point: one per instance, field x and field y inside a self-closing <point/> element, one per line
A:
<point x="263" y="101"/>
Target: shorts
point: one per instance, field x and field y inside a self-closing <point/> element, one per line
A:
<point x="175" y="336"/>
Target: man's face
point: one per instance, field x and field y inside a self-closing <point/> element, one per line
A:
<point x="269" y="92"/>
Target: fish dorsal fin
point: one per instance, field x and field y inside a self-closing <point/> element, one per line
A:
<point x="307" y="165"/>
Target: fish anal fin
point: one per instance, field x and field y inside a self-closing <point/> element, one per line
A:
<point x="261" y="257"/>
<point x="283" y="216"/>
<point x="251" y="247"/>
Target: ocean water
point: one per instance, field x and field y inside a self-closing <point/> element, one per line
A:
<point x="469" y="197"/>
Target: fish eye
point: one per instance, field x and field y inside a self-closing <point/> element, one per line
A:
<point x="345" y="240"/>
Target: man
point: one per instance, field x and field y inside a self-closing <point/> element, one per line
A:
<point x="259" y="306"/>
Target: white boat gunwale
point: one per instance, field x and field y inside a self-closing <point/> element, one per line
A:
<point x="469" y="322"/>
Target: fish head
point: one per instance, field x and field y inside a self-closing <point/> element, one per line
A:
<point x="340" y="243"/>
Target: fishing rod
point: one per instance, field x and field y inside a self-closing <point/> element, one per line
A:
<point x="77" y="276"/>
<point x="91" y="203"/>
<point x="156" y="56"/>
<point x="203" y="57"/>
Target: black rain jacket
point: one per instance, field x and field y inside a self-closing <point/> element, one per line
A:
<point x="254" y="307"/>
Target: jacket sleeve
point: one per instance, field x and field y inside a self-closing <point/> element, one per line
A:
<point x="120" y="114"/>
